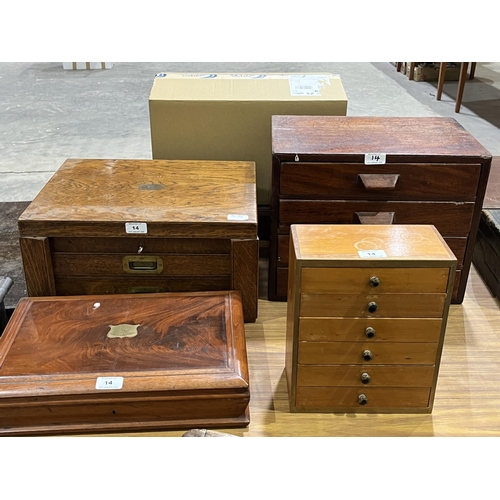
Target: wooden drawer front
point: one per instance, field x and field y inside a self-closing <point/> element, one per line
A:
<point x="357" y="280"/>
<point x="136" y="284"/>
<point x="379" y="376"/>
<point x="450" y="219"/>
<point x="409" y="305"/>
<point x="457" y="246"/>
<point x="379" y="329"/>
<point x="395" y="181"/>
<point x="282" y="282"/>
<point x="66" y="264"/>
<point x="330" y="398"/>
<point x="383" y="353"/>
<point x="149" y="245"/>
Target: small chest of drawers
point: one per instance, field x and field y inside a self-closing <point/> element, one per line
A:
<point x="371" y="170"/>
<point x="366" y="317"/>
<point x="143" y="226"/>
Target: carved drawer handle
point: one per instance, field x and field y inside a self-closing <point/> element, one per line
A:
<point x="375" y="217"/>
<point x="378" y="181"/>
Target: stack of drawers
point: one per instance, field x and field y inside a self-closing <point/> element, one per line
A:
<point x="366" y="317"/>
<point x="369" y="170"/>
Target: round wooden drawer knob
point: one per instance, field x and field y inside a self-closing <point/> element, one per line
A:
<point x="372" y="307"/>
<point x="362" y="399"/>
<point x="367" y="355"/>
<point x="365" y="378"/>
<point x="374" y="281"/>
<point x="370" y="332"/>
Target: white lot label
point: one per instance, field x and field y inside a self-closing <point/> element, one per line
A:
<point x="374" y="158"/>
<point x="109" y="383"/>
<point x="366" y="254"/>
<point x="237" y="217"/>
<point x="136" y="227"/>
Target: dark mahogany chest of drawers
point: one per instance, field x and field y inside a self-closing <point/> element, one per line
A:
<point x="102" y="363"/>
<point x="371" y="170"/>
<point x="143" y="226"/>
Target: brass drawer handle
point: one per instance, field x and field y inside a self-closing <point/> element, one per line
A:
<point x="370" y="332"/>
<point x="362" y="399"/>
<point x="372" y="307"/>
<point x="374" y="281"/>
<point x="142" y="264"/>
<point x="365" y="378"/>
<point x="367" y="355"/>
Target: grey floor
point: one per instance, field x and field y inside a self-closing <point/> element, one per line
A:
<point x="48" y="114"/>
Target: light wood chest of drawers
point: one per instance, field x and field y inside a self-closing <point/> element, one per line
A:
<point x="143" y="226"/>
<point x="434" y="172"/>
<point x="366" y="317"/>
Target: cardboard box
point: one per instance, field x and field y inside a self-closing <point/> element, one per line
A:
<point x="87" y="65"/>
<point x="227" y="116"/>
<point x="429" y="72"/>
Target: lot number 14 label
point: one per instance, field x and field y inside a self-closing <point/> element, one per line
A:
<point x="375" y="159"/>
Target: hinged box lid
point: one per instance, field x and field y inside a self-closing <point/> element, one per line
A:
<point x="119" y="362"/>
<point x="94" y="197"/>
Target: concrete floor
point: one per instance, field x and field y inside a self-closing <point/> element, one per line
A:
<point x="48" y="114"/>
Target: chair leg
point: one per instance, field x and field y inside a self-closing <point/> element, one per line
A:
<point x="472" y="71"/>
<point x="442" y="72"/>
<point x="412" y="71"/>
<point x="461" y="85"/>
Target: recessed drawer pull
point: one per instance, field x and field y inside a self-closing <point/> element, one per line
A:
<point x="374" y="281"/>
<point x="378" y="181"/>
<point x="142" y="264"/>
<point x="370" y="332"/>
<point x="365" y="378"/>
<point x="367" y="355"/>
<point x="362" y="399"/>
<point x="375" y="217"/>
<point x="372" y="307"/>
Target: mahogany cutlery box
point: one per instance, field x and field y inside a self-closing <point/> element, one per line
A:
<point x="124" y="363"/>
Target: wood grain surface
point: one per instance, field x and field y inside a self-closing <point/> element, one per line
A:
<point x="399" y="136"/>
<point x="182" y="198"/>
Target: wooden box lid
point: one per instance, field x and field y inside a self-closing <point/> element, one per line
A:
<point x="355" y="136"/>
<point x="362" y="245"/>
<point x="121" y="362"/>
<point x="185" y="198"/>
